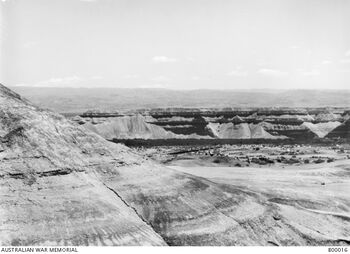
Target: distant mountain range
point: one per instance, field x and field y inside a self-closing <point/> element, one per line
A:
<point x="79" y="100"/>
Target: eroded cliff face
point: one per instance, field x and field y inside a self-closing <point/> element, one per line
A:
<point x="63" y="185"/>
<point x="132" y="127"/>
<point x="129" y="127"/>
<point x="299" y="125"/>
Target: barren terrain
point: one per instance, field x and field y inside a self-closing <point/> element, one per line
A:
<point x="62" y="184"/>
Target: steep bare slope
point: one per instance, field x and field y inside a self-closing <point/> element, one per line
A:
<point x="48" y="191"/>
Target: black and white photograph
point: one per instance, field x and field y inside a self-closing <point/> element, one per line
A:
<point x="174" y="123"/>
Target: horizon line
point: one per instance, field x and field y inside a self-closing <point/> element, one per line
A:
<point x="177" y="89"/>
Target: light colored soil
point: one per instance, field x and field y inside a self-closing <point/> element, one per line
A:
<point x="313" y="198"/>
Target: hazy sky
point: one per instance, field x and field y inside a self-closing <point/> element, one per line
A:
<point x="181" y="44"/>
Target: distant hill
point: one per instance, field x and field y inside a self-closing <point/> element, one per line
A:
<point x="78" y="100"/>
